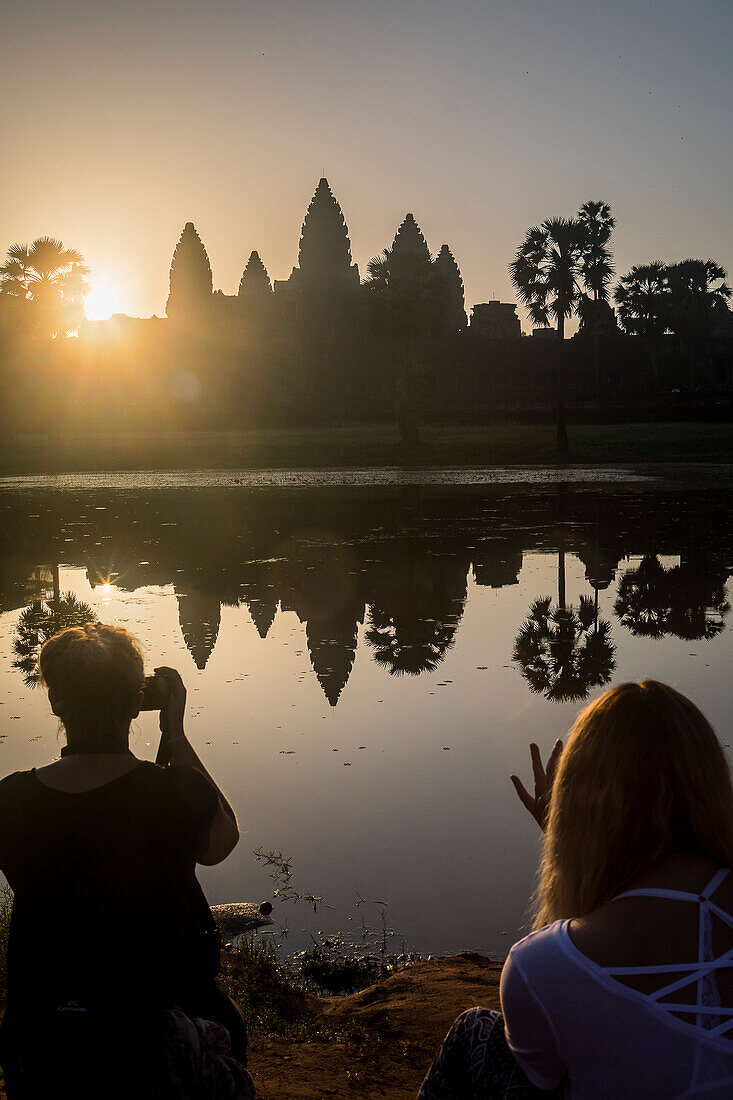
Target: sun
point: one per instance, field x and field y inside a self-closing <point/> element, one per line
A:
<point x="102" y="301"/>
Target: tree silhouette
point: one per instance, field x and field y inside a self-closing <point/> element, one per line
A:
<point x="563" y="652"/>
<point x="698" y="299"/>
<point x="39" y="622"/>
<point x="191" y="282"/>
<point x="698" y="605"/>
<point x="47" y="283"/>
<point x="408" y="644"/>
<point x="548" y="271"/>
<point x="688" y="600"/>
<point x="642" y="297"/>
<point x="414" y="616"/>
<point x="642" y="599"/>
<point x="598" y="224"/>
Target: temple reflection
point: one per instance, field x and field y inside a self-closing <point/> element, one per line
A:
<point x="388" y="566"/>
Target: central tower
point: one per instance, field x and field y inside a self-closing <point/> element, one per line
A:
<point x="324" y="254"/>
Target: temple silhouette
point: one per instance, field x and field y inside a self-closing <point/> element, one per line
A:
<point x="385" y="573"/>
<point x="331" y="344"/>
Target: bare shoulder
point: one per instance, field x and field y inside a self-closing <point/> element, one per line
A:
<point x="647" y="930"/>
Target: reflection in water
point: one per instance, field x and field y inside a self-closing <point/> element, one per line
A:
<point x="297" y="601"/>
<point x="563" y="652"/>
<point x="199" y="614"/>
<point x="416" y="609"/>
<point x="39" y="622"/>
<point x="396" y="562"/>
<point x="688" y="600"/>
<point x="48" y="613"/>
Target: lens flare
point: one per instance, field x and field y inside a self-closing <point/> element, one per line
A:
<point x="102" y="301"/>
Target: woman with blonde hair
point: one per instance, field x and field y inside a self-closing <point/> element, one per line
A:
<point x="110" y="929"/>
<point x="625" y="987"/>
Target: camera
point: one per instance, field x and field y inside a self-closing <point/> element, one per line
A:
<point x="155" y="693"/>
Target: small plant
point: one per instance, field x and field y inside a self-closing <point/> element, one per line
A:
<point x="282" y="877"/>
<point x="337" y="963"/>
<point x="258" y="979"/>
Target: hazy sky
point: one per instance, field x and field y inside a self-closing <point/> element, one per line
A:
<point x="124" y="120"/>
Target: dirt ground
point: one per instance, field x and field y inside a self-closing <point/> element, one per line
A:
<point x="391" y="1033"/>
<point x="376" y="1043"/>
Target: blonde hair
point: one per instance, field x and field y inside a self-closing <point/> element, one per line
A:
<point x="643" y="772"/>
<point x="96" y="675"/>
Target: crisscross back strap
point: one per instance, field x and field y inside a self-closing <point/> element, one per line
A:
<point x="678" y="895"/>
<point x="708" y="1012"/>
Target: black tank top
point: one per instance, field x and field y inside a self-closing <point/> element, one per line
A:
<point x="107" y="906"/>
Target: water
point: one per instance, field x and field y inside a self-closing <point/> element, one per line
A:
<point x="361" y="675"/>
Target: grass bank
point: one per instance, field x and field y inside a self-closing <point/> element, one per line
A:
<point x="366" y="445"/>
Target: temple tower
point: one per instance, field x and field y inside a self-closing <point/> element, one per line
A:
<point x="199" y="615"/>
<point x="325" y="280"/>
<point x="255" y="287"/>
<point x="409" y="254"/>
<point x="448" y="271"/>
<point x="191" y="283"/>
<point x="324" y="254"/>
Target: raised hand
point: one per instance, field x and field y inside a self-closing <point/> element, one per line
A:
<point x="543" y="778"/>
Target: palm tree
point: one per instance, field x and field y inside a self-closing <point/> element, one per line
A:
<point x="698" y="603"/>
<point x="642" y="600"/>
<point x="547" y="272"/>
<point x="405" y="644"/>
<point x="688" y="600"/>
<point x="39" y="622"/>
<point x="642" y="297"/>
<point x="49" y="284"/>
<point x="596" y="218"/>
<point x="416" y="612"/>
<point x="698" y="297"/>
<point x="564" y="652"/>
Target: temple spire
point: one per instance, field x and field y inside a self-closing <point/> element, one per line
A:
<point x="324" y="254"/>
<point x="449" y="272"/>
<point x="409" y="251"/>
<point x="191" y="283"/>
<point x="199" y="615"/>
<point x="255" y="283"/>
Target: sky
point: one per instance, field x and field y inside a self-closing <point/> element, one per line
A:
<point x="481" y="117"/>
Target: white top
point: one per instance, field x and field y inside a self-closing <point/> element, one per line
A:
<point x="567" y="1018"/>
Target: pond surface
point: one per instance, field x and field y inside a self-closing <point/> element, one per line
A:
<point x="367" y="664"/>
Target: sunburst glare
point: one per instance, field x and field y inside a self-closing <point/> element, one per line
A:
<point x="102" y="301"/>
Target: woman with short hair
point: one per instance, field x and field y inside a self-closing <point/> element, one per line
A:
<point x="625" y="986"/>
<point x="110" y="927"/>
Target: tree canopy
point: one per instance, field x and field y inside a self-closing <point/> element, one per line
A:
<point x="47" y="284"/>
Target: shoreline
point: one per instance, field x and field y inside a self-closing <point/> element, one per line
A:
<point x="369" y="446"/>
<point x="380" y="1041"/>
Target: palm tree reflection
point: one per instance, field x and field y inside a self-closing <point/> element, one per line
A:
<point x="563" y="652"/>
<point x="39" y="622"/>
<point x="413" y="619"/>
<point x="687" y="600"/>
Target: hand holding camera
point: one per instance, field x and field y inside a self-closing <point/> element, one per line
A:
<point x="166" y="692"/>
